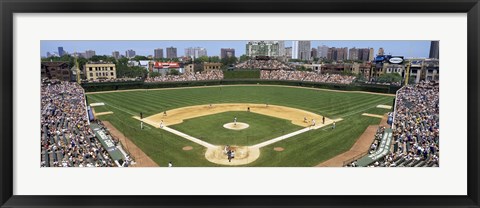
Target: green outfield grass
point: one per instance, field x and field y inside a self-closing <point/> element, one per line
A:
<point x="306" y="149"/>
<point x="210" y="128"/>
<point x="102" y="108"/>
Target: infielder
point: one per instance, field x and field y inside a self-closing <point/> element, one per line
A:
<point x="235" y="121"/>
<point x="313" y="122"/>
<point x="161" y="124"/>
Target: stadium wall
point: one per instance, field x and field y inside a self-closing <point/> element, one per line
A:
<point x="111" y="86"/>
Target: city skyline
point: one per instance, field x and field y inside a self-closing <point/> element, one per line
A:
<point x="411" y="48"/>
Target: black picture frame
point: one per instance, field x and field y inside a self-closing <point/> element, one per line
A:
<point x="10" y="7"/>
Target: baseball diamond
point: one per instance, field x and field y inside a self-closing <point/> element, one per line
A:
<point x="310" y="125"/>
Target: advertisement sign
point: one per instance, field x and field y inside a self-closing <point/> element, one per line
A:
<point x="396" y="60"/>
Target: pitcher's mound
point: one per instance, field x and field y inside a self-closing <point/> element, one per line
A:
<point x="238" y="126"/>
<point x="186" y="148"/>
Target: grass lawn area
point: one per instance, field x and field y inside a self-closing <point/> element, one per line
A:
<point x="308" y="149"/>
<point x="210" y="128"/>
<point x="316" y="146"/>
<point x="99" y="109"/>
<point x="378" y="111"/>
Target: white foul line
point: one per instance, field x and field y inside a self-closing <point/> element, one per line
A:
<point x="186" y="136"/>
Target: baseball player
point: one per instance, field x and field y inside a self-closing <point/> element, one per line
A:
<point x="229" y="155"/>
<point x="141" y="124"/>
<point x="161" y="124"/>
<point x="235" y="121"/>
<point x="313" y="122"/>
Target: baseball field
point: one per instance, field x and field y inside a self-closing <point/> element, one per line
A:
<point x="275" y="126"/>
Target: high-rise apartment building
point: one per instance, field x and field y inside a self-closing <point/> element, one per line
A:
<point x="434" y="49"/>
<point x="171" y="52"/>
<point x="89" y="54"/>
<point x="304" y="48"/>
<point x="116" y="54"/>
<point x="195" y="52"/>
<point x="158" y="53"/>
<point x="227" y="53"/>
<point x="130" y="53"/>
<point x="322" y="51"/>
<point x="265" y="48"/>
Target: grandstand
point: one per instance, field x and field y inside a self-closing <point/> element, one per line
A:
<point x="413" y="140"/>
<point x="305" y="76"/>
<point x="67" y="139"/>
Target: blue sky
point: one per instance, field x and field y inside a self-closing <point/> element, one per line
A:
<point x="408" y="48"/>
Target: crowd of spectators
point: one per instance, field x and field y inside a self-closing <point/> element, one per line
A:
<point x="376" y="141"/>
<point x="265" y="64"/>
<point x="113" y="80"/>
<point x="416" y="124"/>
<point x="66" y="137"/>
<point x="415" y="128"/>
<point x="198" y="76"/>
<point x="305" y="76"/>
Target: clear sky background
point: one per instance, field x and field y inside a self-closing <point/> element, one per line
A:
<point x="420" y="48"/>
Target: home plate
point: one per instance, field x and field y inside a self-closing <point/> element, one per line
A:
<point x="384" y="106"/>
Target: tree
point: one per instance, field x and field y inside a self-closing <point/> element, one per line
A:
<point x="229" y="60"/>
<point x="122" y="61"/>
<point x="244" y="58"/>
<point x="154" y="74"/>
<point x="173" y="72"/>
<point x="138" y="58"/>
<point x="201" y="59"/>
<point x="411" y="80"/>
<point x="214" y="59"/>
<point x="98" y="58"/>
<point x="125" y="71"/>
<point x="389" y="78"/>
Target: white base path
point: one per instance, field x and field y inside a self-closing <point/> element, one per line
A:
<point x="280" y="138"/>
<point x="186" y="136"/>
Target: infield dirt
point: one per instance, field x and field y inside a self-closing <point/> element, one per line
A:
<point x="141" y="159"/>
<point x="178" y="115"/>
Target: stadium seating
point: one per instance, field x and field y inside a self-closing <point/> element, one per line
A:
<point x="66" y="139"/>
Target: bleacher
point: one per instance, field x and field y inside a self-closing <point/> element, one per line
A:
<point x="66" y="138"/>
